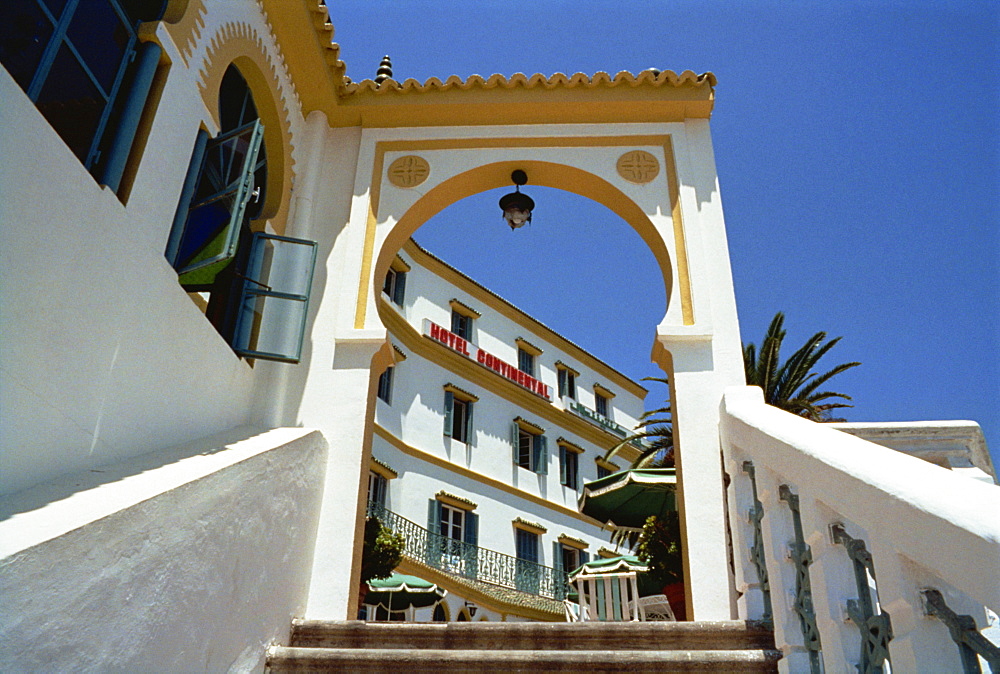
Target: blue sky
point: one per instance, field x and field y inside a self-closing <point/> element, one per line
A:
<point x="858" y="151"/>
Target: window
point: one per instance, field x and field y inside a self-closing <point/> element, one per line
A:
<point x="395" y="283"/>
<point x="567" y="382"/>
<point x="526" y="362"/>
<point x="461" y="325"/>
<point x="565" y="560"/>
<point x="254" y="286"/>
<point x="527" y="570"/>
<point x="458" y="407"/>
<point x="570" y="558"/>
<point x="455" y="528"/>
<point x="605" y="468"/>
<point x="378" y="485"/>
<point x="385" y="385"/>
<point x="530" y="447"/>
<point x="82" y="65"/>
<point x="602" y="405"/>
<point x="569" y="465"/>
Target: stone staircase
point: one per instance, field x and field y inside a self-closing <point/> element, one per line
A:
<point x="702" y="646"/>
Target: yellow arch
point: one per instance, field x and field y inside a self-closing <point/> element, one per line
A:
<point x="497" y="174"/>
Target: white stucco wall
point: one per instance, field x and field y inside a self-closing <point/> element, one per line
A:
<point x="193" y="559"/>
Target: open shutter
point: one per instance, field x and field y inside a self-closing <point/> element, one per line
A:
<point x="471" y="549"/>
<point x="584" y="557"/>
<point x="562" y="464"/>
<point x="435" y="543"/>
<point x="399" y="292"/>
<point x="515" y="441"/>
<point x="541" y="444"/>
<point x="559" y="576"/>
<point x="211" y="220"/>
<point x="273" y="307"/>
<point x="470" y="432"/>
<point x="449" y="411"/>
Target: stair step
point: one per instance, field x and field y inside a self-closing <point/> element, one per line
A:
<point x="533" y="636"/>
<point x="414" y="661"/>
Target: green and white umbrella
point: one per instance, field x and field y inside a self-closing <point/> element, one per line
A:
<point x="619" y="564"/>
<point x="626" y="498"/>
<point x="399" y="592"/>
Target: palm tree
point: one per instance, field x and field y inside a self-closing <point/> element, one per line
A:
<point x="792" y="385"/>
<point x="656" y="432"/>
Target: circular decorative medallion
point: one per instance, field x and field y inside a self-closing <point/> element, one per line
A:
<point x="409" y="171"/>
<point x="638" y="166"/>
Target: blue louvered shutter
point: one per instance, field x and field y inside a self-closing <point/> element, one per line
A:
<point x="515" y="442"/>
<point x="449" y="411"/>
<point x="560" y="584"/>
<point x="562" y="464"/>
<point x="471" y="549"/>
<point x="584" y="557"/>
<point x="399" y="292"/>
<point x="435" y="543"/>
<point x="541" y="445"/>
<point x="470" y="433"/>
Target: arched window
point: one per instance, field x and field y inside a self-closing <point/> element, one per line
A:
<point x="81" y="63"/>
<point x="254" y="286"/>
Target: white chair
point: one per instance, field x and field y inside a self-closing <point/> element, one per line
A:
<point x="608" y="597"/>
<point x="655" y="607"/>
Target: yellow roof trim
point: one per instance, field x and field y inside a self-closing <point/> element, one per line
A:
<point x="525" y="345"/>
<point x="533" y="527"/>
<point x="455" y="501"/>
<point x="461" y="393"/>
<point x="572" y="542"/>
<point x="463" y="308"/>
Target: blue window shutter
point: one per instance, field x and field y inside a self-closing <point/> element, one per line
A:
<point x="399" y="293"/>
<point x="584" y="557"/>
<point x="187" y="194"/>
<point x="274" y="303"/>
<point x="212" y="223"/>
<point x="449" y="411"/>
<point x="471" y="549"/>
<point x="434" y="541"/>
<point x="541" y="455"/>
<point x="515" y="441"/>
<point x="562" y="464"/>
<point x="470" y="433"/>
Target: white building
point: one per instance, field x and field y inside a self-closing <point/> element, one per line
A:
<point x="198" y="212"/>
<point x="486" y="427"/>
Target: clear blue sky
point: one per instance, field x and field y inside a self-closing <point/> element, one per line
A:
<point x="858" y="151"/>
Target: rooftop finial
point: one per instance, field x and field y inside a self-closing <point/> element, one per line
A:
<point x="384" y="71"/>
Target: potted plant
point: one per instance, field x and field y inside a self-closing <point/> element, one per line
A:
<point x="659" y="547"/>
<point x="382" y="552"/>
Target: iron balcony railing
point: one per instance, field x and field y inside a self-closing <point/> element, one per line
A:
<point x="470" y="561"/>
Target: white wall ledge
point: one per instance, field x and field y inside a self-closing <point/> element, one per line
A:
<point x="55" y="508"/>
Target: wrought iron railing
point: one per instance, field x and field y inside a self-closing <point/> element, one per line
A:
<point x="971" y="644"/>
<point x="470" y="561"/>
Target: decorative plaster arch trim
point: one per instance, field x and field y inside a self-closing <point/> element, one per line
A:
<point x="240" y="45"/>
<point x="544" y="173"/>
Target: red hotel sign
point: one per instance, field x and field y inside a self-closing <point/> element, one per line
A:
<point x="470" y="350"/>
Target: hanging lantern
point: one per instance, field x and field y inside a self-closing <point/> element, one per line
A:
<point x="517" y="207"/>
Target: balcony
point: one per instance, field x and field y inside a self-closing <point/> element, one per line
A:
<point x="460" y="559"/>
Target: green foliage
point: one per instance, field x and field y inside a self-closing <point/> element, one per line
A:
<point x="655" y="430"/>
<point x="792" y="385"/>
<point x="382" y="551"/>
<point x="660" y="547"/>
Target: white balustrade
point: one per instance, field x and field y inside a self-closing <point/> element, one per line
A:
<point x="862" y="507"/>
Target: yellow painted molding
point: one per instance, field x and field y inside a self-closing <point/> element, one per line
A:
<point x="478" y="477"/>
<point x="529" y="426"/>
<point x="397" y="354"/>
<point x="463" y="309"/>
<point x="382" y="468"/>
<point x="524" y="344"/>
<point x="456" y="501"/>
<point x="613" y="467"/>
<point x="607" y="553"/>
<point x="548" y="174"/>
<point x="461" y="393"/>
<point x="604" y="391"/>
<point x="525" y="525"/>
<point x="572" y="542"/>
<point x="570" y="446"/>
<point x="399" y="264"/>
<point x="563" y="366"/>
